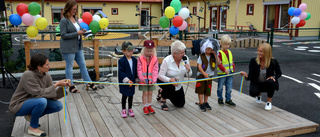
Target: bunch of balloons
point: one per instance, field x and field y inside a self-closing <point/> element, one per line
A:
<point x="93" y="23"/>
<point x="300" y="16"/>
<point x="29" y="15"/>
<point x="178" y="21"/>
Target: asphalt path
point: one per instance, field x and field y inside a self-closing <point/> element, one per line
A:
<point x="299" y="91"/>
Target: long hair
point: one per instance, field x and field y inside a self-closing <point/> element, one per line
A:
<point x="154" y="52"/>
<point x="37" y="60"/>
<point x="267" y="54"/>
<point x="68" y="7"/>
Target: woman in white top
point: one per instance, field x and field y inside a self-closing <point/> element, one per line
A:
<point x="173" y="68"/>
<point x="71" y="44"/>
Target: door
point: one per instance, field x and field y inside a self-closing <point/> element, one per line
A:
<point x="223" y="19"/>
<point x="214" y="18"/>
<point x="144" y="17"/>
<point x="218" y="18"/>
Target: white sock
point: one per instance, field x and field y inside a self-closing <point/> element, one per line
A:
<point x="145" y="105"/>
<point x="149" y="104"/>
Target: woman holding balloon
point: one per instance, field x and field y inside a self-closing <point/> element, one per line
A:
<point x="71" y="44"/>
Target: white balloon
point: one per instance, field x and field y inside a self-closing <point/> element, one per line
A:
<point x="295" y="20"/>
<point x="184" y="13"/>
<point x="35" y="19"/>
<point x="96" y="18"/>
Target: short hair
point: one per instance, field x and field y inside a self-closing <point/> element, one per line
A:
<point x="37" y="60"/>
<point x="267" y="54"/>
<point x="177" y="46"/>
<point x="68" y="7"/>
<point x="225" y="39"/>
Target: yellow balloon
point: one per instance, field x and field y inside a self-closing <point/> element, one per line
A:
<point x="169" y="12"/>
<point x="104" y="22"/>
<point x="32" y="31"/>
<point x="41" y="23"/>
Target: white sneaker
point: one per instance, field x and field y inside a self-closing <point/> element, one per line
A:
<point x="268" y="106"/>
<point x="259" y="99"/>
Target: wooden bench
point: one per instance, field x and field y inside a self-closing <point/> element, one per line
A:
<point x="116" y="22"/>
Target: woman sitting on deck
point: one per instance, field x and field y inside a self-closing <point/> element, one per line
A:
<point x="36" y="95"/>
<point x="173" y="69"/>
<point x="264" y="72"/>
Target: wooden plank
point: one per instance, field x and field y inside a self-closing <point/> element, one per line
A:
<point x="252" y="42"/>
<point x="18" y="127"/>
<point x="87" y="122"/>
<point x="54" y="125"/>
<point x="66" y="129"/>
<point x="246" y="43"/>
<point x="44" y="122"/>
<point x="77" y="126"/>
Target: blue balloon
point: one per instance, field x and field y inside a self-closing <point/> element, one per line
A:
<point x="174" y="30"/>
<point x="15" y="19"/>
<point x="290" y="11"/>
<point x="297" y="12"/>
<point x="84" y="26"/>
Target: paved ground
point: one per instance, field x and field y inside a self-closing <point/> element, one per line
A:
<point x="299" y="85"/>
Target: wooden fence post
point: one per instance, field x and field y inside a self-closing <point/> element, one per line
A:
<point x="27" y="52"/>
<point x="96" y="56"/>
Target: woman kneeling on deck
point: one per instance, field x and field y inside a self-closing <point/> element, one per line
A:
<point x="173" y="69"/>
<point x="36" y="95"/>
<point x="264" y="72"/>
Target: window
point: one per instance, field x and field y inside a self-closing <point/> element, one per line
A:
<point x="114" y="11"/>
<point x="92" y="10"/>
<point x="277" y="16"/>
<point x="194" y="10"/>
<point x="56" y="15"/>
<point x="250" y="9"/>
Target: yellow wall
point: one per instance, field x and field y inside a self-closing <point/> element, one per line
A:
<point x="126" y="11"/>
<point x="314" y="21"/>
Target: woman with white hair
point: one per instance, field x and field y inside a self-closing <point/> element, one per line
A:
<point x="173" y="69"/>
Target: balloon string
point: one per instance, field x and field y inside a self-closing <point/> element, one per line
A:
<point x="65" y="105"/>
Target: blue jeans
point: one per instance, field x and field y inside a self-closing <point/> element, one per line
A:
<point x="38" y="107"/>
<point x="79" y="57"/>
<point x="227" y="81"/>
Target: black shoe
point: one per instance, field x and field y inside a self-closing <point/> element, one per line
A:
<point x="207" y="105"/>
<point x="220" y="102"/>
<point x="202" y="107"/>
<point x="230" y="103"/>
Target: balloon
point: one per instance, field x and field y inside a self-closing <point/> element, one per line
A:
<point x="104" y="22"/>
<point x="303" y="15"/>
<point x="34" y="8"/>
<point x="297" y="12"/>
<point x="15" y="19"/>
<point x="301" y="23"/>
<point x="169" y="12"/>
<point x="41" y="23"/>
<point x="35" y="19"/>
<point x="184" y="13"/>
<point x="308" y="16"/>
<point x="27" y="19"/>
<point x="183" y="26"/>
<point x="295" y="20"/>
<point x="84" y="25"/>
<point x="87" y="17"/>
<point x="32" y="31"/>
<point x="176" y="4"/>
<point x="164" y="22"/>
<point x="303" y="6"/>
<point x="22" y="9"/>
<point x="290" y="11"/>
<point x="94" y="26"/>
<point x="177" y="21"/>
<point x="96" y="18"/>
<point x="80" y="20"/>
<point x="174" y="30"/>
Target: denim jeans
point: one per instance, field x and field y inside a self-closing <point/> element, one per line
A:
<point x="79" y="57"/>
<point x="38" y="107"/>
<point x="227" y="81"/>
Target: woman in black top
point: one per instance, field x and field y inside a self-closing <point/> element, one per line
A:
<point x="264" y="72"/>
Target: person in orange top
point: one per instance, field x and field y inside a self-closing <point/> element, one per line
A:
<point x="147" y="71"/>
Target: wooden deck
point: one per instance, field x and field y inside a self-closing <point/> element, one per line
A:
<point x="93" y="114"/>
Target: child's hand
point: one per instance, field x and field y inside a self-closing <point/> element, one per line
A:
<point x="130" y="83"/>
<point x="226" y="71"/>
<point x="206" y="75"/>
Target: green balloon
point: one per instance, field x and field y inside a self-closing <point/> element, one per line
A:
<point x="34" y="8"/>
<point x="308" y="16"/>
<point x="176" y="4"/>
<point x="164" y="22"/>
<point x="94" y="26"/>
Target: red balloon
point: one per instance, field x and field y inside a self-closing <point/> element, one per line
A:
<point x="87" y="17"/>
<point x="177" y="21"/>
<point x="22" y="9"/>
<point x="301" y="23"/>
